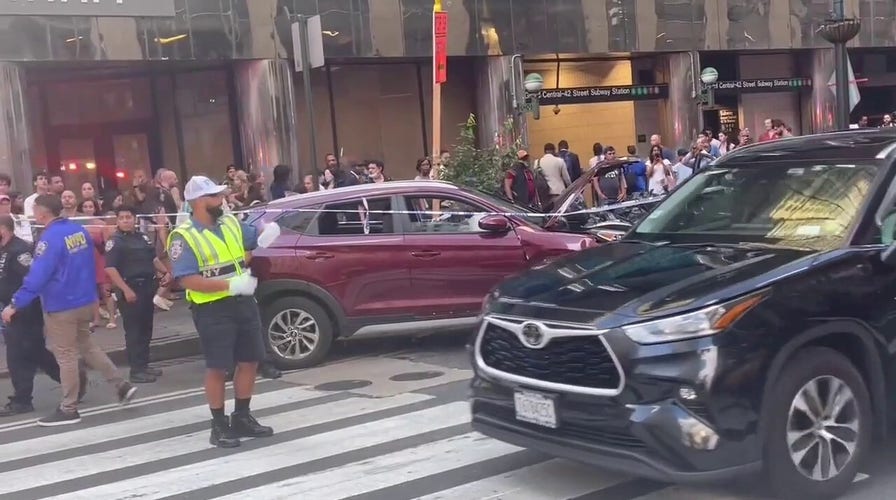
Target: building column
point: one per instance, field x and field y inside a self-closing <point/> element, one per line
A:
<point x="494" y="103"/>
<point x="819" y="104"/>
<point x="267" y="116"/>
<point x="15" y="136"/>
<point x="682" y="115"/>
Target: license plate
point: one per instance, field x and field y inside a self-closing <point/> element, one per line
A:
<point x="535" y="408"/>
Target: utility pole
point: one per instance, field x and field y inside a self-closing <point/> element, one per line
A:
<point x="308" y="51"/>
<point x="439" y="76"/>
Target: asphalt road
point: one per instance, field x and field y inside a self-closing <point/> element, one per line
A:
<point x="384" y="419"/>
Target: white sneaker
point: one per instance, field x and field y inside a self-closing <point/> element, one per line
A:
<point x="161" y="303"/>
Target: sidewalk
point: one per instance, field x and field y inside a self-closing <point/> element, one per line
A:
<point x="174" y="337"/>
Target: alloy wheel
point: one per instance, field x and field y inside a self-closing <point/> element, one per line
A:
<point x="293" y="333"/>
<point x="823" y="428"/>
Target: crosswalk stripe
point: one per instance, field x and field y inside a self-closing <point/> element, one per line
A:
<point x="77" y="437"/>
<point x="388" y="470"/>
<point x="140" y="401"/>
<point x="72" y="468"/>
<point x="549" y="480"/>
<point x="241" y="465"/>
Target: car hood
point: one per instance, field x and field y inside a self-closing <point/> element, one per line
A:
<point x="635" y="280"/>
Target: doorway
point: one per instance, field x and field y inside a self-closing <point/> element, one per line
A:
<point x="106" y="155"/>
<point x="100" y="131"/>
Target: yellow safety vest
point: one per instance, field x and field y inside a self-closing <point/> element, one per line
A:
<point x="218" y="259"/>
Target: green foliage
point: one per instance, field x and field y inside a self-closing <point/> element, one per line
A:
<point x="478" y="168"/>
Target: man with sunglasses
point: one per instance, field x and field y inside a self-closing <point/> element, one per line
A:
<point x="208" y="257"/>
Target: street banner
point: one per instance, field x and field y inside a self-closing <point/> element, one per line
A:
<point x="440" y="47"/>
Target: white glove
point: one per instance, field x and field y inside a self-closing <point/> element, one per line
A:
<point x="244" y="284"/>
<point x="270" y="233"/>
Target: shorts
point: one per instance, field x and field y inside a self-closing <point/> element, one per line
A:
<point x="229" y="332"/>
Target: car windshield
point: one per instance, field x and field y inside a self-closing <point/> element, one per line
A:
<point x="798" y="204"/>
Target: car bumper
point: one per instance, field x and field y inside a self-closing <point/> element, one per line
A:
<point x="611" y="458"/>
<point x="645" y="428"/>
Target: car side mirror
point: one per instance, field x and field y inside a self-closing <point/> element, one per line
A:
<point x="494" y="224"/>
<point x="888" y="238"/>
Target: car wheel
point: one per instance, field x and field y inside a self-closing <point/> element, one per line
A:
<point x="819" y="426"/>
<point x="298" y="332"/>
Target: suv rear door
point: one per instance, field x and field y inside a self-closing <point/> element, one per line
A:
<point x="356" y="253"/>
<point x="454" y="263"/>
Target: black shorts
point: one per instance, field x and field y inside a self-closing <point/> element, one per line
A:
<point x="229" y="331"/>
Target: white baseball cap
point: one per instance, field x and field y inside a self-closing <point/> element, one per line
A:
<point x="200" y="186"/>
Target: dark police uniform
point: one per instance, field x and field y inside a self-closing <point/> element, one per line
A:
<point x="26" y="349"/>
<point x="132" y="255"/>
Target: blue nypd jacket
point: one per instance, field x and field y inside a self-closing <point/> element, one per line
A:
<point x="63" y="272"/>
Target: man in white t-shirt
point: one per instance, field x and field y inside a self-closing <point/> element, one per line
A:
<point x="41" y="186"/>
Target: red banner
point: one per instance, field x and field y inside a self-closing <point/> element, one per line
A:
<point x="440" y="46"/>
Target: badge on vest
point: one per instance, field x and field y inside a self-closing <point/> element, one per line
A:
<point x="109" y="245"/>
<point x="177" y="248"/>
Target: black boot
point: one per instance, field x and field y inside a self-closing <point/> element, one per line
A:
<point x="222" y="435"/>
<point x="14" y="408"/>
<point x="267" y="370"/>
<point x="245" y="425"/>
<point x="141" y="377"/>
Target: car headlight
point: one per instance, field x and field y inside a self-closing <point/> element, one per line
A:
<point x="487" y="302"/>
<point x="702" y="323"/>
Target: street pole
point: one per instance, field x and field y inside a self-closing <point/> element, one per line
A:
<point x="839" y="31"/>
<point x="436" y="98"/>
<point x="305" y="58"/>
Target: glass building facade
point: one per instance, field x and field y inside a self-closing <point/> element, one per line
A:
<point x="214" y="83"/>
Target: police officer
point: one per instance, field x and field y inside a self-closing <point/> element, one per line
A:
<point x="207" y="254"/>
<point x="26" y="349"/>
<point x="63" y="276"/>
<point x="132" y="266"/>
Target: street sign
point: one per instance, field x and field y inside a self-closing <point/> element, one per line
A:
<point x="89" y="8"/>
<point x="761" y="85"/>
<point x="440" y="46"/>
<point x="312" y="37"/>
<point x="587" y="95"/>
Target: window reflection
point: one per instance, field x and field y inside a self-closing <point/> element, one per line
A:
<point x="203" y="103"/>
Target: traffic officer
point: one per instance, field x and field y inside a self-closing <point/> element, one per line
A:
<point x="132" y="267"/>
<point x="63" y="276"/>
<point x="207" y="254"/>
<point x="26" y="349"/>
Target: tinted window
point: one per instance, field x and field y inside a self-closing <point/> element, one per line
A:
<point x="363" y="216"/>
<point x="804" y="204"/>
<point x="443" y="215"/>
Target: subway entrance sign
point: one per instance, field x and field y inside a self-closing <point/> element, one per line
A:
<point x="612" y="93"/>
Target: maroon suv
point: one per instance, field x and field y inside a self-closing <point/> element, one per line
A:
<point x="399" y="257"/>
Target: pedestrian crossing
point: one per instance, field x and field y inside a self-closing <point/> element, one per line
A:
<point x="328" y="445"/>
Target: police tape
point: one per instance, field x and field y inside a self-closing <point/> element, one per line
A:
<point x="362" y="207"/>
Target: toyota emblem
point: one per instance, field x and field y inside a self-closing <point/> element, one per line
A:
<point x="532" y="334"/>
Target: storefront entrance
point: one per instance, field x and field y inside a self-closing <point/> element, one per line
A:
<point x="105" y="154"/>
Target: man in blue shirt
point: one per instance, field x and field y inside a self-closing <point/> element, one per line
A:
<point x="208" y="256"/>
<point x="63" y="276"/>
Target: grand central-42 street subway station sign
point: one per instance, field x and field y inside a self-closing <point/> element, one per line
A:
<point x="89" y="8"/>
<point x="589" y="95"/>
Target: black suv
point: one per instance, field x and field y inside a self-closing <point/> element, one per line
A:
<point x="746" y="325"/>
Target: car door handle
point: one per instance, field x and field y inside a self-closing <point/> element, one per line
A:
<point x="426" y="254"/>
<point x="319" y="256"/>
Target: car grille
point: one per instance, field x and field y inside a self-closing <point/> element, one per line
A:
<point x="577" y="361"/>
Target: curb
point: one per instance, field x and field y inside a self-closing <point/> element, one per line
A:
<point x="161" y="351"/>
